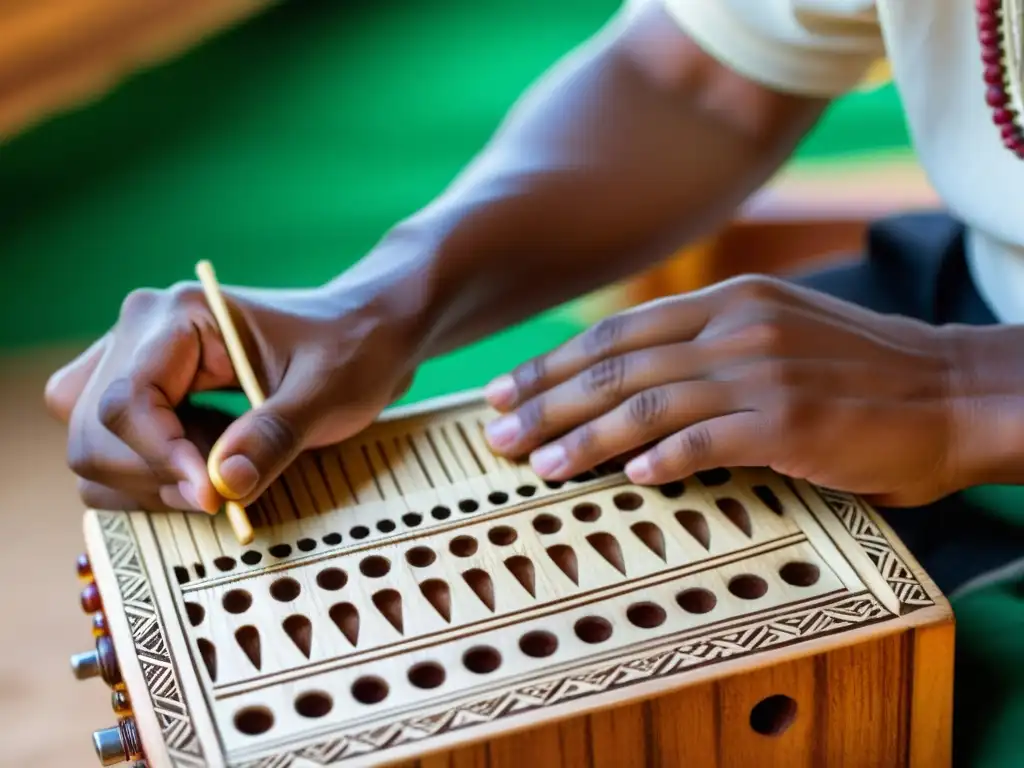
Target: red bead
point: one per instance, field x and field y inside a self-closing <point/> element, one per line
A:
<point x="986" y="6"/>
<point x="1009" y="130"/>
<point x="91" y="602"/>
<point x="83" y="567"/>
<point x="988" y="23"/>
<point x="994" y="74"/>
<point x="1003" y="116"/>
<point x="1014" y="144"/>
<point x="995" y="96"/>
<point x="988" y="38"/>
<point x="1019" y="153"/>
<point x="992" y="55"/>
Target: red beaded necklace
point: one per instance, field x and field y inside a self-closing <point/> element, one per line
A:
<point x="999" y="72"/>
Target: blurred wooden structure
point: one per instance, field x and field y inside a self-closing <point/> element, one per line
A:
<point x="58" y="53"/>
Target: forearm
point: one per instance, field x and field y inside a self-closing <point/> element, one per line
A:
<point x="633" y="145"/>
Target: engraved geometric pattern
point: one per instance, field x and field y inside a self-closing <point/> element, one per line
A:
<point x="771" y="632"/>
<point x="761" y="633"/>
<point x="894" y="570"/>
<point x="150" y="642"/>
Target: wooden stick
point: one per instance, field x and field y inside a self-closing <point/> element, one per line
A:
<point x="237" y="517"/>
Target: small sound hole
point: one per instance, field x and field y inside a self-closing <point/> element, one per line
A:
<point x="773" y="716"/>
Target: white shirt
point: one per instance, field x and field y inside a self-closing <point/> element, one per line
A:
<point x="825" y="48"/>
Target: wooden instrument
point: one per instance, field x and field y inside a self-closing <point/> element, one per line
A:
<point x="410" y="599"/>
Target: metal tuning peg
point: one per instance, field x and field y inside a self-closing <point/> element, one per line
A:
<point x="119" y="744"/>
<point x="101" y="662"/>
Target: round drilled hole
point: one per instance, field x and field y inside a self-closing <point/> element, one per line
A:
<point x="502" y="535"/>
<point x="554" y="485"/>
<point x="314" y="704"/>
<point x="482" y="659"/>
<point x="225" y="563"/>
<point x="628" y="501"/>
<point x="463" y="546"/>
<point x="538" y="644"/>
<point x="673" y="490"/>
<point x="412" y="519"/>
<point x="773" y="716"/>
<point x="237" y="601"/>
<point x="440" y="513"/>
<point x="252" y="721"/>
<point x="359" y="532"/>
<point x="748" y="586"/>
<point x="586" y="512"/>
<point x="546" y="523"/>
<point x="427" y="675"/>
<point x="468" y="505"/>
<point x="280" y="550"/>
<point x="181" y="574"/>
<point x="369" y="690"/>
<point x="697" y="600"/>
<point x="285" y="589"/>
<point x="646" y="615"/>
<point x="331" y="579"/>
<point x="420" y="557"/>
<point x="497" y="497"/>
<point x="374" y="566"/>
<point x="385" y="526"/>
<point x="593" y="629"/>
<point x="800" y="574"/>
<point x="251" y="557"/>
<point x="332" y="539"/>
<point x="526" y="491"/>
<point x="306" y="545"/>
<point x="714" y="477"/>
<point x="196" y="613"/>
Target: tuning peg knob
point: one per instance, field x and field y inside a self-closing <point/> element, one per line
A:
<point x="84" y="568"/>
<point x="91" y="602"/>
<point x="101" y="662"/>
<point x="118" y="745"/>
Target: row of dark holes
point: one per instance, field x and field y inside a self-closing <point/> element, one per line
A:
<point x="484" y="659"/>
<point x="626" y="501"/>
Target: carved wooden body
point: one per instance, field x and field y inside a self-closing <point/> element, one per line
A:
<point x="412" y="599"/>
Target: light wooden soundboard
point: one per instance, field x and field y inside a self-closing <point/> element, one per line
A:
<point x="410" y="598"/>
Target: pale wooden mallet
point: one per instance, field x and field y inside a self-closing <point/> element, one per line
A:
<point x="237" y="516"/>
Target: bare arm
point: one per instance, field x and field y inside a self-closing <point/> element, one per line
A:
<point x="632" y="145"/>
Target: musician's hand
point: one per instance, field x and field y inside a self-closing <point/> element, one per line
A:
<point x="752" y="372"/>
<point x="328" y="364"/>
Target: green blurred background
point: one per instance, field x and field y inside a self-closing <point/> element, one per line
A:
<point x="284" y="148"/>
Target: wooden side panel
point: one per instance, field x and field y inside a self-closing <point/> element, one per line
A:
<point x="931" y="703"/>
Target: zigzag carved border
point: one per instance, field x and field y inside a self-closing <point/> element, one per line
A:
<point x="150" y="642"/>
<point x="798" y="625"/>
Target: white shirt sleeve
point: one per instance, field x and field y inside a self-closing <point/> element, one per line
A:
<point x="808" y="47"/>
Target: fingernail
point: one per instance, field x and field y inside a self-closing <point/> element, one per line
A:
<point x="548" y="460"/>
<point x="639" y="470"/>
<point x="502" y="432"/>
<point x="239" y="474"/>
<point x="501" y="391"/>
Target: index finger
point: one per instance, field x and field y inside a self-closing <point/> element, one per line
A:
<point x="661" y="322"/>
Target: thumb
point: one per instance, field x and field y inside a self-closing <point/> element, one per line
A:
<point x="262" y="443"/>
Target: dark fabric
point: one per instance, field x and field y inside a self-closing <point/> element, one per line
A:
<point x="914" y="266"/>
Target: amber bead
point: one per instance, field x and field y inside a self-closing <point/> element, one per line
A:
<point x="83" y="567"/>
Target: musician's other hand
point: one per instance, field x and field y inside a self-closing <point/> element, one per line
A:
<point x="751" y="372"/>
<point x="328" y="364"/>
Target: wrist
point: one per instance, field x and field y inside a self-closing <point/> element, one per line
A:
<point x="985" y="401"/>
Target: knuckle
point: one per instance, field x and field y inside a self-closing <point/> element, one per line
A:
<point x="82" y="462"/>
<point x="748" y="288"/>
<point x="583" y="442"/>
<point x="648" y="407"/>
<point x="531" y="374"/>
<point x="604" y="336"/>
<point x="138" y="302"/>
<point x="763" y="333"/>
<point x="691" y="446"/>
<point x="115" y="405"/>
<point x="279" y="436"/>
<point x="531" y="415"/>
<point x="606" y="377"/>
